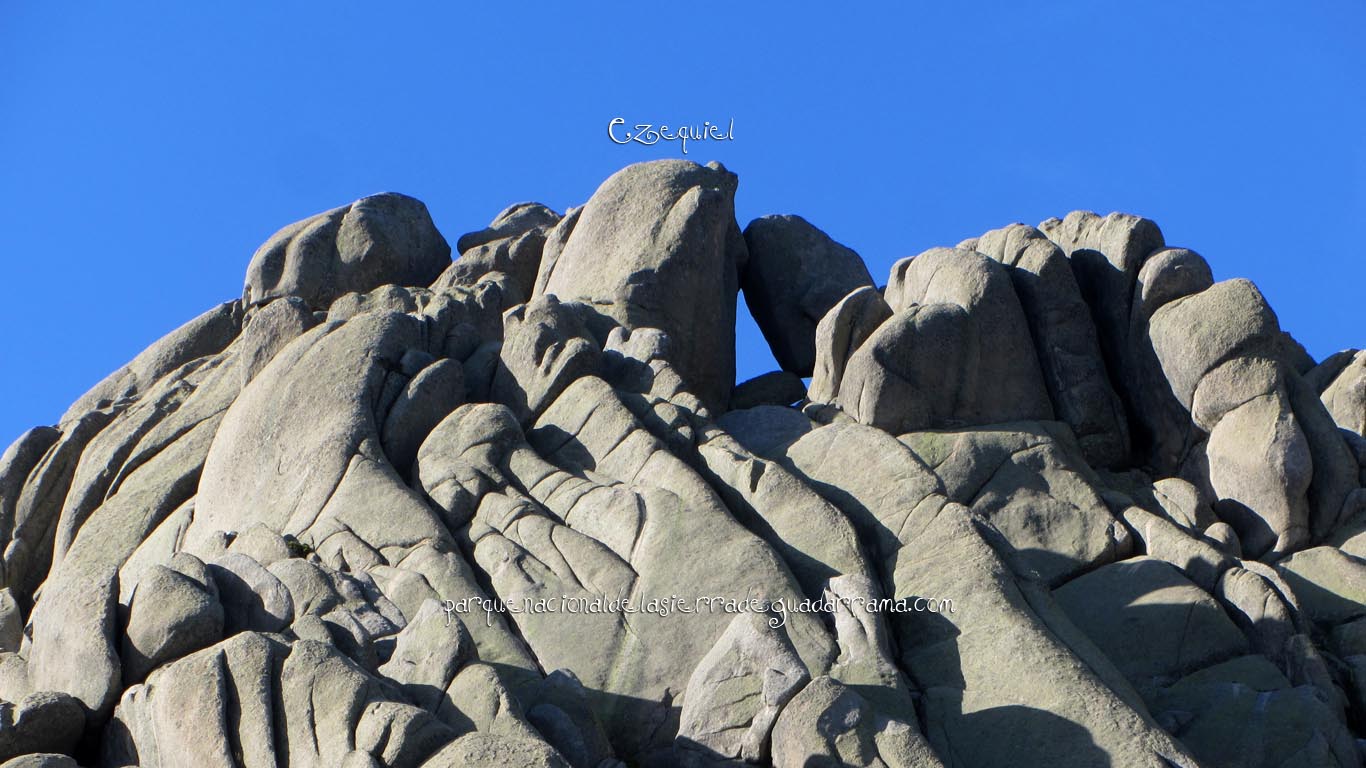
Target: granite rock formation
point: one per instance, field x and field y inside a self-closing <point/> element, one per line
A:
<point x="1051" y="497"/>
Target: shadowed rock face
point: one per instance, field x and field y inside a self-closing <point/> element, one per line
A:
<point x="1053" y="497"/>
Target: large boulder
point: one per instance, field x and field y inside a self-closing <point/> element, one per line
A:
<point x="1194" y="334"/>
<point x="377" y="240"/>
<point x="998" y="374"/>
<point x="1031" y="483"/>
<point x="916" y="371"/>
<point x="20" y="459"/>
<point x="657" y="246"/>
<point x="170" y="615"/>
<point x="795" y="274"/>
<point x="772" y="388"/>
<point x="1161" y="424"/>
<point x="40" y="722"/>
<point x="1330" y="584"/>
<point x="1244" y="712"/>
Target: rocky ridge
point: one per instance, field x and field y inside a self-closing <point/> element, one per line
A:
<point x="1110" y="513"/>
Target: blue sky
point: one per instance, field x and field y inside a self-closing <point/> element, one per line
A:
<point x="149" y="148"/>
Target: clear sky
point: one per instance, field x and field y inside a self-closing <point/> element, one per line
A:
<point x="148" y="149"/>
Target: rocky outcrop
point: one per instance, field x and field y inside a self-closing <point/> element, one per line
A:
<point x="657" y="246"/>
<point x="795" y="274"/>
<point x="380" y="240"/>
<point x="1053" y="497"/>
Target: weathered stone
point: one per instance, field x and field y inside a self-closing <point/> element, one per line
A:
<point x="487" y="751"/>
<point x="299" y="450"/>
<point x="814" y="538"/>
<point x="1005" y="382"/>
<point x="323" y="695"/>
<point x="738" y="689"/>
<point x="1198" y="558"/>
<point x="657" y="246"/>
<point x="1345" y="394"/>
<point x="428" y="653"/>
<point x="253" y="599"/>
<point x="917" y="371"/>
<point x="830" y="723"/>
<point x="510" y="222"/>
<point x="794" y="275"/>
<point x="839" y="334"/>
<point x="169" y="616"/>
<point x="261" y="544"/>
<point x="1260" y="468"/>
<point x="1255" y="604"/>
<point x="40" y="760"/>
<point x="1160" y="424"/>
<point x="1240" y="713"/>
<point x="477" y="700"/>
<point x="1194" y="334"/>
<point x="40" y="722"/>
<point x="517" y="256"/>
<point x="545" y="348"/>
<point x="1329" y="583"/>
<point x="432" y="393"/>
<point x="205" y="335"/>
<point x="1150" y="620"/>
<point x="1065" y="339"/>
<point x="311" y="591"/>
<point x="417" y="498"/>
<point x="608" y="510"/>
<point x="563" y="716"/>
<point x="75" y="651"/>
<point x="766" y="429"/>
<point x="11" y="623"/>
<point x="1335" y="472"/>
<point x="269" y="328"/>
<point x="28" y="553"/>
<point x="772" y="388"/>
<point x="1183" y="502"/>
<point x="1029" y="481"/>
<point x="377" y="240"/>
<point x="397" y="734"/>
<point x="15" y="465"/>
<point x="1064" y="703"/>
<point x="1106" y="254"/>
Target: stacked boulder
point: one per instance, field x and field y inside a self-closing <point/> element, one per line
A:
<point x="1051" y="497"/>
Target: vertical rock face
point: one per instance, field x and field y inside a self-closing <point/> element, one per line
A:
<point x="1054" y="497"/>
<point x="1065" y="339"/>
<point x="657" y="246"/>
